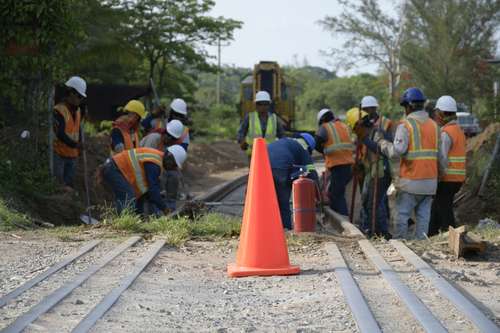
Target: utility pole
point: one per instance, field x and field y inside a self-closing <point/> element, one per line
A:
<point x="218" y="70"/>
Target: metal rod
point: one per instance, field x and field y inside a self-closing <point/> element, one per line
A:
<point x="54" y="298"/>
<point x="110" y="299"/>
<point x="50" y="105"/>
<point x="40" y="277"/>
<point x="361" y="312"/>
<point x="461" y="302"/>
<point x="424" y="316"/>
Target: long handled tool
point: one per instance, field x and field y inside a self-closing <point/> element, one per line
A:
<point x="356" y="177"/>
<point x="375" y="193"/>
<point x="86" y="218"/>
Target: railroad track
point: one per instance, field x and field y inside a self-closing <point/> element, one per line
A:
<point x="415" y="290"/>
<point x="101" y="269"/>
<point x="386" y="286"/>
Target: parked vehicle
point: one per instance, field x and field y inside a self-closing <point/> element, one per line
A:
<point x="467" y="121"/>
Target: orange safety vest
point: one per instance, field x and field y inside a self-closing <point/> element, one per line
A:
<point x="338" y="148"/>
<point x="71" y="128"/>
<point x="130" y="141"/>
<point x="131" y="165"/>
<point x="455" y="172"/>
<point x="421" y="159"/>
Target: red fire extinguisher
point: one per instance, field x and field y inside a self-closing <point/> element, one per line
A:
<point x="304" y="204"/>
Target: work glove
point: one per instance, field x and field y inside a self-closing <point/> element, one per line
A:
<point x="243" y="145"/>
<point x="361" y="131"/>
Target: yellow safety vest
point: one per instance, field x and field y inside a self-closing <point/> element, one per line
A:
<point x="255" y="130"/>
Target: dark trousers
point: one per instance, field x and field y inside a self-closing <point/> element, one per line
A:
<point x="123" y="191"/>
<point x="442" y="207"/>
<point x="283" y="185"/>
<point x="340" y="176"/>
<point x="382" y="208"/>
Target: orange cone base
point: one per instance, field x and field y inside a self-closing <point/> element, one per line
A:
<point x="238" y="271"/>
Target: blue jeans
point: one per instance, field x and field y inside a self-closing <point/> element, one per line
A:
<point x="283" y="185"/>
<point x="64" y="169"/>
<point x="382" y="208"/>
<point x="405" y="204"/>
<point x="340" y="176"/>
<point x="123" y="191"/>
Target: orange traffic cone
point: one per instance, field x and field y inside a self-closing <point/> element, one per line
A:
<point x="262" y="249"/>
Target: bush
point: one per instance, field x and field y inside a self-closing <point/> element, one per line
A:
<point x="218" y="122"/>
<point x="10" y="219"/>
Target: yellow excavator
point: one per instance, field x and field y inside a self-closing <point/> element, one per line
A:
<point x="268" y="76"/>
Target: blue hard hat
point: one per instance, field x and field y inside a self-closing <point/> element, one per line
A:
<point x="309" y="139"/>
<point x="412" y="95"/>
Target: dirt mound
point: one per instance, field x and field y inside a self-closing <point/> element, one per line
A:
<point x="489" y="134"/>
<point x="471" y="208"/>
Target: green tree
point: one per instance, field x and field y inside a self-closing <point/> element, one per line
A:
<point x="171" y="36"/>
<point x="448" y="42"/>
<point x="371" y="36"/>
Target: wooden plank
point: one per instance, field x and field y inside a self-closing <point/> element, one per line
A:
<point x="107" y="302"/>
<point x="424" y="316"/>
<point x="54" y="298"/>
<point x="42" y="276"/>
<point x="461" y="302"/>
<point x="362" y="314"/>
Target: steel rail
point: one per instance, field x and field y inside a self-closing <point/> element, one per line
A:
<point x="110" y="299"/>
<point x="361" y="311"/>
<point x="42" y="276"/>
<point x="424" y="316"/>
<point x="55" y="297"/>
<point x="461" y="302"/>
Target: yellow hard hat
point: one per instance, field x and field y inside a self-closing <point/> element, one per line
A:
<point x="136" y="107"/>
<point x="352" y="116"/>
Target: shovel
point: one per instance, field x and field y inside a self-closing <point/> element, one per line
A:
<point x="86" y="217"/>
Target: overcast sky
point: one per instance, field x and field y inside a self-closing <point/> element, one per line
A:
<point x="281" y="30"/>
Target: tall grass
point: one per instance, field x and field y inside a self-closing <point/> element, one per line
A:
<point x="176" y="231"/>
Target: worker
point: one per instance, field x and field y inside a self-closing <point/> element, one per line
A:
<point x="259" y="124"/>
<point x="156" y="119"/>
<point x="134" y="176"/>
<point x="125" y="131"/>
<point x="333" y="140"/>
<point x="164" y="136"/>
<point x="287" y="156"/>
<point x="161" y="139"/>
<point x="416" y="141"/>
<point x="67" y="143"/>
<point x="451" y="165"/>
<point x="379" y="125"/>
<point x="178" y="111"/>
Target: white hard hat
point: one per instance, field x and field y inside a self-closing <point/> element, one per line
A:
<point x="322" y="113"/>
<point x="262" y="96"/>
<point x="78" y="84"/>
<point x="179" y="106"/>
<point x="175" y="128"/>
<point x="446" y="104"/>
<point x="369" y="102"/>
<point x="179" y="153"/>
